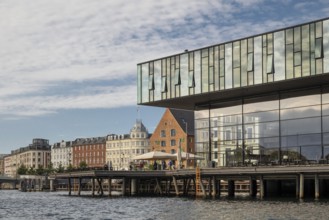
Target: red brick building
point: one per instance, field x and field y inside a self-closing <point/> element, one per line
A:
<point x="175" y="128"/>
<point x="90" y="150"/>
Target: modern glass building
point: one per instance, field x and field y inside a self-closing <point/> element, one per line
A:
<point x="263" y="99"/>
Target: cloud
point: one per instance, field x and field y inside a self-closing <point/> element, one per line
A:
<point x="53" y="54"/>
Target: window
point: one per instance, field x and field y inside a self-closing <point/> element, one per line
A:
<point x="249" y="133"/>
<point x="177" y="77"/>
<point x="163" y="133"/>
<point x="318" y="48"/>
<point x="163" y="143"/>
<point x="164" y="84"/>
<point x="227" y="135"/>
<point x="270" y="66"/>
<point x="173" y="143"/>
<point x="172" y="132"/>
<point x="191" y="81"/>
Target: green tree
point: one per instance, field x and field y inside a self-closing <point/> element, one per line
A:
<point x="40" y="170"/>
<point x="69" y="168"/>
<point x="60" y="168"/>
<point x="50" y="169"/>
<point x="22" y="170"/>
<point x="83" y="165"/>
<point x="31" y="171"/>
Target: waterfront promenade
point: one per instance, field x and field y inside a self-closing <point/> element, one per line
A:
<point x="309" y="180"/>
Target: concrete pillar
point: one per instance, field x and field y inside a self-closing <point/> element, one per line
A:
<point x="214" y="189"/>
<point x="219" y="187"/>
<point x="176" y="186"/>
<point x="123" y="186"/>
<point x="262" y="187"/>
<point x="133" y="187"/>
<point x="231" y="187"/>
<point x="301" y="186"/>
<point x="79" y="186"/>
<point x="316" y="186"/>
<point x="93" y="186"/>
<point x="252" y="187"/>
<point x="110" y="186"/>
<point x="69" y="185"/>
<point x="51" y="185"/>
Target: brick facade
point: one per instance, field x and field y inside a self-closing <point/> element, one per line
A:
<point x="170" y="130"/>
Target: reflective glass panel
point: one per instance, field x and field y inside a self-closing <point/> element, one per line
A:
<point x="197" y="72"/>
<point x="184" y="74"/>
<point x="318" y="48"/>
<point x="305" y="50"/>
<point x="262" y="116"/>
<point x="302" y="112"/>
<point x="228" y="66"/>
<point x="258" y="60"/>
<point x="157" y="80"/>
<point x="269" y="67"/>
<point x="145" y="78"/>
<point x="301" y="101"/>
<point x="250" y="62"/>
<point x="301" y="126"/>
<point x="326" y="46"/>
<point x="279" y="56"/>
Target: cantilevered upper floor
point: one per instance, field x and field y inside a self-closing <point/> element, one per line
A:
<point x="285" y="59"/>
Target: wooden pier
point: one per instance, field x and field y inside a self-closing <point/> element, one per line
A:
<point x="301" y="181"/>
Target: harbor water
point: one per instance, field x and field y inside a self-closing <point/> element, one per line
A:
<point x="58" y="205"/>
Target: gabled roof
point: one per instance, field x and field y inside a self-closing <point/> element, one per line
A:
<point x="182" y="117"/>
<point x="138" y="127"/>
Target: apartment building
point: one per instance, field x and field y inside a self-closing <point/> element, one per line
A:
<point x="61" y="154"/>
<point x="92" y="151"/>
<point x="2" y="164"/>
<point x="121" y="148"/>
<point x="35" y="155"/>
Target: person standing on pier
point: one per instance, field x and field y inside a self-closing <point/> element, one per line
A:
<point x="170" y="165"/>
<point x="163" y="164"/>
<point x="155" y="165"/>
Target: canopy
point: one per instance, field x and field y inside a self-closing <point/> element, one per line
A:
<point x="155" y="155"/>
<point x="189" y="156"/>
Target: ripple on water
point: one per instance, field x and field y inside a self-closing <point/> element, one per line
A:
<point x="57" y="205"/>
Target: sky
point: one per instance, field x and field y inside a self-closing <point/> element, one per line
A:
<point x="68" y="67"/>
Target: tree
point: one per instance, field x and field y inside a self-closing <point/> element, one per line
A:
<point x="40" y="170"/>
<point x="22" y="170"/>
<point x="83" y="165"/>
<point x="50" y="169"/>
<point x="69" y="168"/>
<point x="31" y="171"/>
<point x="60" y="168"/>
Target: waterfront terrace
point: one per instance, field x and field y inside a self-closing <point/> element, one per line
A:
<point x="262" y="181"/>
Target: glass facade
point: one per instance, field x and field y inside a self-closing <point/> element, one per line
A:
<point x="281" y="125"/>
<point x="291" y="53"/>
<point x="290" y="127"/>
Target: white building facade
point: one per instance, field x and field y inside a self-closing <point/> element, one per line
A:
<point x="35" y="155"/>
<point x="61" y="154"/>
<point x="120" y="149"/>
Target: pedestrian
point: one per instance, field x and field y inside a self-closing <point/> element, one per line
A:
<point x="163" y="164"/>
<point x="170" y="164"/>
<point x="155" y="165"/>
